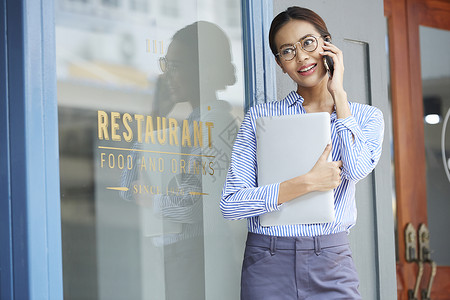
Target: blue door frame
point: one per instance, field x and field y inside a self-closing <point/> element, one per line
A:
<point x="5" y="201"/>
<point x="258" y="59"/>
<point x="30" y="218"/>
<point x="30" y="245"/>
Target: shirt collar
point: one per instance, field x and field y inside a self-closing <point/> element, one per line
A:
<point x="293" y="98"/>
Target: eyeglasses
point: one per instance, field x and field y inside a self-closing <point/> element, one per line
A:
<point x="165" y="65"/>
<point x="309" y="44"/>
<point x="175" y="66"/>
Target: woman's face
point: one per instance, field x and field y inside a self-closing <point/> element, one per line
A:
<point x="183" y="76"/>
<point x="306" y="68"/>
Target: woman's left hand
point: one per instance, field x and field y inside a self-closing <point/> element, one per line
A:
<point x="335" y="83"/>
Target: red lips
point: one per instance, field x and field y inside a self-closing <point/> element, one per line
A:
<point x="307" y="70"/>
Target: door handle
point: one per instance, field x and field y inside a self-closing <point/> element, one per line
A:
<point x="413" y="294"/>
<point x="425" y="256"/>
<point x="427" y="293"/>
<point x="411" y="243"/>
<point x="424" y="243"/>
<point x="411" y="257"/>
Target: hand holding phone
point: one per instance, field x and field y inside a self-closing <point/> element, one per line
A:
<point x="328" y="61"/>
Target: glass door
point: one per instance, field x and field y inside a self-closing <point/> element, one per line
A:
<point x="435" y="66"/>
<point x="420" y="99"/>
<point x="150" y="98"/>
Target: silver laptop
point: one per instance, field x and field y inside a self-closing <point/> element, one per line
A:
<point x="289" y="146"/>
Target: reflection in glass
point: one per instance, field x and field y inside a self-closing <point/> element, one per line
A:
<point x="179" y="203"/>
<point x="434" y="45"/>
<point x="144" y="153"/>
<point x="388" y="116"/>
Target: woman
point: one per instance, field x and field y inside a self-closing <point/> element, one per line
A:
<point x="305" y="261"/>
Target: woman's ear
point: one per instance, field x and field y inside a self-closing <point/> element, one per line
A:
<point x="279" y="63"/>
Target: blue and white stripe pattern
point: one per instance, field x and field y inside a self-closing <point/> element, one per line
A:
<point x="356" y="140"/>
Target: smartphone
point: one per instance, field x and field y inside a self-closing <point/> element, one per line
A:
<point x="329" y="65"/>
<point x="328" y="61"/>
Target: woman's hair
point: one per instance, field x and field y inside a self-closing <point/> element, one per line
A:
<point x="207" y="43"/>
<point x="295" y="13"/>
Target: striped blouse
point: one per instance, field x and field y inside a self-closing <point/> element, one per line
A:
<point x="356" y="140"/>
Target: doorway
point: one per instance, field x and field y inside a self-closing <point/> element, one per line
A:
<point x="420" y="102"/>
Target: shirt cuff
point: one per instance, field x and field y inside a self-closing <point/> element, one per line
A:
<point x="348" y="123"/>
<point x="272" y="191"/>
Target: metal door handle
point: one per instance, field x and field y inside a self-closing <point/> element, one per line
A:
<point x="411" y="256"/>
<point x="425" y="256"/>
<point x="427" y="293"/>
<point x="410" y="243"/>
<point x="424" y="243"/>
<point x="412" y="295"/>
